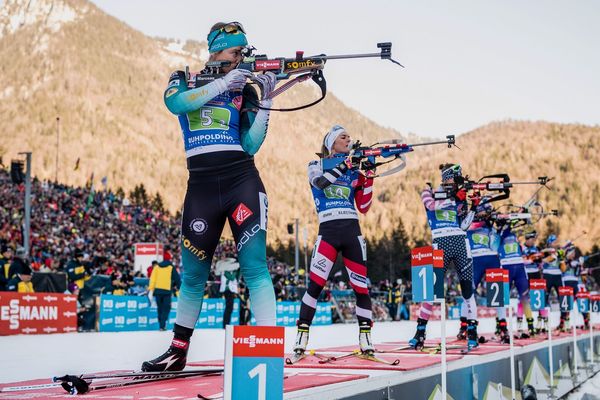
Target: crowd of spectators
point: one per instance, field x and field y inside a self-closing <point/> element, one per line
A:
<point x="86" y="233"/>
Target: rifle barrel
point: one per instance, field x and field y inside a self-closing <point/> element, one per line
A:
<point x="346" y="56"/>
<point x="527" y="183"/>
<point x="428" y="143"/>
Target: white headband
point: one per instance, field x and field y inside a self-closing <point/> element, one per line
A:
<point x="332" y="135"/>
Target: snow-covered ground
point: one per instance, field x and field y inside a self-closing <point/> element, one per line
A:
<point x="40" y="356"/>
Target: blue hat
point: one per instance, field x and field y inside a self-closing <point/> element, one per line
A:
<point x="551" y="239"/>
<point x="164" y="263"/>
<point x="229" y="35"/>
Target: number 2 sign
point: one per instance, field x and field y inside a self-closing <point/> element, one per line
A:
<point x="497" y="287"/>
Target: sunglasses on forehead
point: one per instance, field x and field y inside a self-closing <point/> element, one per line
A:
<point x="230" y="27"/>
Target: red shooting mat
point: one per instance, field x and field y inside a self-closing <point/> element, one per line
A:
<point x="170" y="389"/>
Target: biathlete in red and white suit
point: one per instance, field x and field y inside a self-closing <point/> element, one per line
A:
<point x="337" y="185"/>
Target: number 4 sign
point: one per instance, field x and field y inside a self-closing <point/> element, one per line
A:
<point x="497" y="287"/>
<point x="565" y="298"/>
<point x="254" y="363"/>
<point x="537" y="290"/>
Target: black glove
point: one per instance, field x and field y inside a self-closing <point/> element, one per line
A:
<point x="368" y="166"/>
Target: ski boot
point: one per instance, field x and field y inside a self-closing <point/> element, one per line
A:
<point x="462" y="332"/>
<point x="503" y="336"/>
<point x="301" y="338"/>
<point x="472" y="336"/>
<point x="519" y="324"/>
<point x="586" y="321"/>
<point x="364" y="339"/>
<point x="542" y="325"/>
<point x="174" y="359"/>
<point x="563" y="325"/>
<point x="418" y="341"/>
<point x="530" y="330"/>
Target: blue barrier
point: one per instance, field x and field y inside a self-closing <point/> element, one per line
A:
<point x="135" y="313"/>
<point x="289" y="311"/>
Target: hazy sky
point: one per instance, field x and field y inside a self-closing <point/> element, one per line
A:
<point x="467" y="62"/>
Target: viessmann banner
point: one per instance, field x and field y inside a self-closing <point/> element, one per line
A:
<point x="37" y="313"/>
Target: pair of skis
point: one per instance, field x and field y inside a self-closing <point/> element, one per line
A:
<point x="296" y="357"/>
<point x="79" y="384"/>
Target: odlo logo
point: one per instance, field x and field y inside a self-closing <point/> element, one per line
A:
<point x="198" y="226"/>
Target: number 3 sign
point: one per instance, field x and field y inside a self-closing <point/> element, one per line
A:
<point x="537" y="290"/>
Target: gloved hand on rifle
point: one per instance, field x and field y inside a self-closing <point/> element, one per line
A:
<point x="267" y="83"/>
<point x="353" y="162"/>
<point x="234" y="80"/>
<point x="461" y="194"/>
<point x="368" y="166"/>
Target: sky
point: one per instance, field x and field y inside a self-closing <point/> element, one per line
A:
<point x="467" y="62"/>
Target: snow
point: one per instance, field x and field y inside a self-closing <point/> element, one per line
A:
<point x="42" y="356"/>
<point x="52" y="14"/>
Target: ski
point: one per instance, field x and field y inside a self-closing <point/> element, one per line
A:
<point x="395" y="350"/>
<point x="358" y="354"/>
<point x="85" y="383"/>
<point x="217" y="396"/>
<point x="30" y="387"/>
<point x="296" y="357"/>
<point x="329" y="359"/>
<point x="371" y="357"/>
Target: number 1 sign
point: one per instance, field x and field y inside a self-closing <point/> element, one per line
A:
<point x="254" y="363"/>
<point x="422" y="274"/>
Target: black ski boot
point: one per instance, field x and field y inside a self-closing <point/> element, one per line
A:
<point x="586" y="321"/>
<point x="530" y="330"/>
<point x="173" y="359"/>
<point x="462" y="331"/>
<point x="503" y="335"/>
<point x="472" y="336"/>
<point x="418" y="341"/>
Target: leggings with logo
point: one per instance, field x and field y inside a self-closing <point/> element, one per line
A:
<point x="235" y="194"/>
<point x="342" y="235"/>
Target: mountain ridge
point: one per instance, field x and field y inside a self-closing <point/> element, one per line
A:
<point x="105" y="80"/>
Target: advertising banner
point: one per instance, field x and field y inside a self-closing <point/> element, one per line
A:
<point x="37" y="313"/>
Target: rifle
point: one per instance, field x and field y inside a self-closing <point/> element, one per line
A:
<point x="391" y="149"/>
<point x="502" y="187"/>
<point x="305" y="67"/>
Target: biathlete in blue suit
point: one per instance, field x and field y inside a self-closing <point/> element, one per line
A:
<point x="222" y="130"/>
